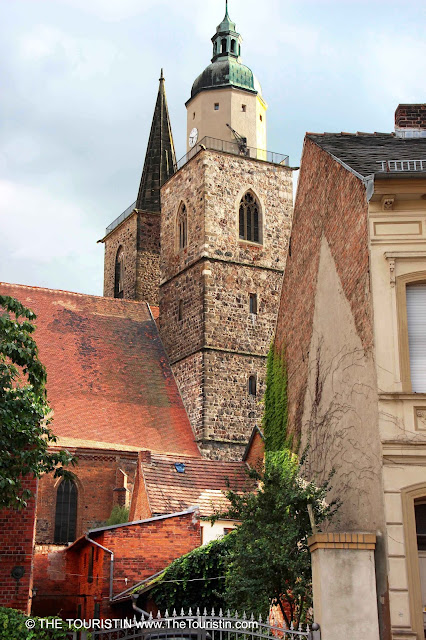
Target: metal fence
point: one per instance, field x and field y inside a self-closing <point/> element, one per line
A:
<point x="236" y="148"/>
<point x="120" y="218"/>
<point x="200" y="626"/>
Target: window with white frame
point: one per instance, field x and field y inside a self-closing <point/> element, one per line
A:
<point x="416" y="321"/>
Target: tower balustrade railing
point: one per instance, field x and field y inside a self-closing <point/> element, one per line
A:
<point x="236" y="148"/>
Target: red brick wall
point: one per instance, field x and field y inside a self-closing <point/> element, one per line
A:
<point x="17" y="529"/>
<point x="331" y="202"/>
<point x="139" y="506"/>
<point x="256" y="453"/>
<point x="140" y="550"/>
<point x="54" y="582"/>
<point x="410" y="116"/>
<point x="96" y="479"/>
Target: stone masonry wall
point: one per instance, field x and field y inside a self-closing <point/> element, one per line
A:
<point x="229" y="323"/>
<point x="231" y="412"/>
<point x="216" y="273"/>
<point x="139" y="235"/>
<point x="189" y="375"/>
<point x="125" y="235"/>
<point x="148" y="257"/>
<point x="182" y="338"/>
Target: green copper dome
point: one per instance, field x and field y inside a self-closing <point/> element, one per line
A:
<point x="226" y="68"/>
<point x="226" y="73"/>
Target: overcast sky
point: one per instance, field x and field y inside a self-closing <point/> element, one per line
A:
<point x="79" y="80"/>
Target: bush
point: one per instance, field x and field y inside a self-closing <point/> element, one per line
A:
<point x="12" y="627"/>
<point x="197" y="579"/>
<point x="119" y="515"/>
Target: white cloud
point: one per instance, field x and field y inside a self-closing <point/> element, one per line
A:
<point x="39" y="227"/>
<point x="395" y="66"/>
<point x="82" y="57"/>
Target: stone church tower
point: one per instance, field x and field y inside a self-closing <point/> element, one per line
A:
<point x="225" y="224"/>
<point x="216" y="268"/>
<point x="132" y="241"/>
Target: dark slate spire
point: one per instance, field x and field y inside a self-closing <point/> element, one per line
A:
<point x="160" y="155"/>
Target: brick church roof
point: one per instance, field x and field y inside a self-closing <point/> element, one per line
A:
<point x="175" y="483"/>
<point x="108" y="377"/>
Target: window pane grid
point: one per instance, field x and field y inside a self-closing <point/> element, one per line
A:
<point x="249" y="218"/>
<point x="416" y="318"/>
<point x="66" y="512"/>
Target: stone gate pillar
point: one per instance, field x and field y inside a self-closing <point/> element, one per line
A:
<point x="344" y="585"/>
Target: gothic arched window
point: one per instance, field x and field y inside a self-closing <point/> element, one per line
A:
<point x="249" y="221"/>
<point x="182" y="228"/>
<point x="119" y="274"/>
<point x="66" y="512"/>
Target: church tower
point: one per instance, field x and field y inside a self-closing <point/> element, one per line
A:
<point x="227" y="96"/>
<point x="226" y="217"/>
<point x="132" y="241"/>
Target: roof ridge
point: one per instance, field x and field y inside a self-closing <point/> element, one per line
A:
<point x="176" y="457"/>
<point x="71" y="293"/>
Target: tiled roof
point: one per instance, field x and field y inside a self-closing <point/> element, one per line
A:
<point x="108" y="377"/>
<point x="201" y="483"/>
<point x="363" y="152"/>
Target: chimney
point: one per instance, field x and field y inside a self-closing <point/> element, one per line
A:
<point x="410" y="120"/>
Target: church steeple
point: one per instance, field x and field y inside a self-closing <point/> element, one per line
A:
<point x="160" y="156"/>
<point x="226" y="41"/>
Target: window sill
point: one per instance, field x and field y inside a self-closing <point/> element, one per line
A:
<point x="250" y="243"/>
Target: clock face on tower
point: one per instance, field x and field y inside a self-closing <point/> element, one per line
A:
<point x="193" y="137"/>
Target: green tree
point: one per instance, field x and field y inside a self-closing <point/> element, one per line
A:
<point x="270" y="562"/>
<point x="24" y="428"/>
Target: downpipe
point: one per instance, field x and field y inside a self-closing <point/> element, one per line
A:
<point x="111" y="567"/>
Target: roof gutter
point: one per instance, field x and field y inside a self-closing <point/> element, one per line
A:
<point x="111" y="566"/>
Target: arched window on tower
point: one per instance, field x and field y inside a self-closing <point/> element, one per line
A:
<point x="119" y="274"/>
<point x="223" y="45"/>
<point x="182" y="228"/>
<point x="249" y="218"/>
<point x="232" y="46"/>
<point x="66" y="512"/>
<point x="252" y="386"/>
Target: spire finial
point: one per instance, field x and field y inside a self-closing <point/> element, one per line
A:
<point x="162" y="75"/>
<point x="226" y="12"/>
